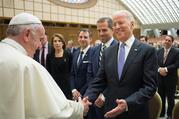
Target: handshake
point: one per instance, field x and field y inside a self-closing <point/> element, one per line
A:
<point x="85" y="103"/>
<point x="99" y="101"/>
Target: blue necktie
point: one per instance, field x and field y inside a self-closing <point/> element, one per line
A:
<point x="80" y="59"/>
<point x="121" y="59"/>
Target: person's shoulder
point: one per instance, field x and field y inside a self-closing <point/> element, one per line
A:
<point x="114" y="42"/>
<point x="90" y="50"/>
<point x="67" y="52"/>
<point x="96" y="48"/>
<point x="144" y="45"/>
<point x="50" y="55"/>
<point x="111" y="49"/>
<point x="175" y="50"/>
<point x="112" y="46"/>
<point x="25" y="62"/>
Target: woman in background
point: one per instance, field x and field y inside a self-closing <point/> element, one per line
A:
<point x="59" y="64"/>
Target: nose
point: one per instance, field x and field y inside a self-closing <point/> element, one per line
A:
<point x="100" y="33"/>
<point x="83" y="38"/>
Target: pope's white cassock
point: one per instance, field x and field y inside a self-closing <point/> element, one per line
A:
<point x="27" y="91"/>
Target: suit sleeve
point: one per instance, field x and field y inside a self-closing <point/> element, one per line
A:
<point x="72" y="77"/>
<point x="98" y="84"/>
<point x="172" y="68"/>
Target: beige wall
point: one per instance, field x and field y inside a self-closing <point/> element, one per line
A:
<point x="49" y="11"/>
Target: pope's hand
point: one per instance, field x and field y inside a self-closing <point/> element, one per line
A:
<point x="85" y="103"/>
<point x="76" y="95"/>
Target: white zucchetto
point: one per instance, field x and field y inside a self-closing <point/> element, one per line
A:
<point x="24" y="18"/>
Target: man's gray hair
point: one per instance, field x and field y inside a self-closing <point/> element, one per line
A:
<point x="126" y="13"/>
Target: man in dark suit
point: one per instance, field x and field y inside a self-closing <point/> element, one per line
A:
<point x="168" y="61"/>
<point x="81" y="60"/>
<point x="105" y="32"/>
<point x="80" y="63"/>
<point x="41" y="53"/>
<point x="126" y="91"/>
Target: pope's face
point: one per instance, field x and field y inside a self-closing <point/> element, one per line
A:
<point x="35" y="38"/>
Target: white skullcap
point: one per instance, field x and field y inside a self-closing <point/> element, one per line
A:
<point x="23" y="19"/>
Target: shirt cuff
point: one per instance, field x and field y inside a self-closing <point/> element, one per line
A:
<point x="102" y="97"/>
<point x="126" y="107"/>
<point x="73" y="90"/>
<point x="166" y="69"/>
<point x="158" y="69"/>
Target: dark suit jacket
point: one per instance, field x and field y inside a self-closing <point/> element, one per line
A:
<point x="94" y="66"/>
<point x="36" y="55"/>
<point x="78" y="76"/>
<point x="137" y="84"/>
<point x="172" y="63"/>
<point x="71" y="50"/>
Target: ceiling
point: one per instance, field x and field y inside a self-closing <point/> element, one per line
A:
<point x="152" y="14"/>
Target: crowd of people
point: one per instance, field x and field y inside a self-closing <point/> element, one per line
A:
<point x="114" y="79"/>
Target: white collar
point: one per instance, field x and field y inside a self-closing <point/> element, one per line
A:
<point x="15" y="45"/>
<point x="108" y="43"/>
<point x="130" y="41"/>
<point x="85" y="50"/>
<point x="167" y="49"/>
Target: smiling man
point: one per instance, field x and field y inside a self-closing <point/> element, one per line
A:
<point x="128" y="73"/>
<point x="168" y="62"/>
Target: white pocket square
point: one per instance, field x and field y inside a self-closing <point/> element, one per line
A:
<point x="85" y="61"/>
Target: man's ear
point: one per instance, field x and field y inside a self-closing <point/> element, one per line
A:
<point x="26" y="34"/>
<point x="132" y="24"/>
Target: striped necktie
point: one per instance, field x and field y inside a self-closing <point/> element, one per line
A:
<point x="101" y="53"/>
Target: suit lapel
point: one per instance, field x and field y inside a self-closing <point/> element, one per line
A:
<point x="97" y="53"/>
<point x="131" y="56"/>
<point x="76" y="59"/>
<point x="114" y="59"/>
<point x="85" y="58"/>
<point x="160" y="54"/>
